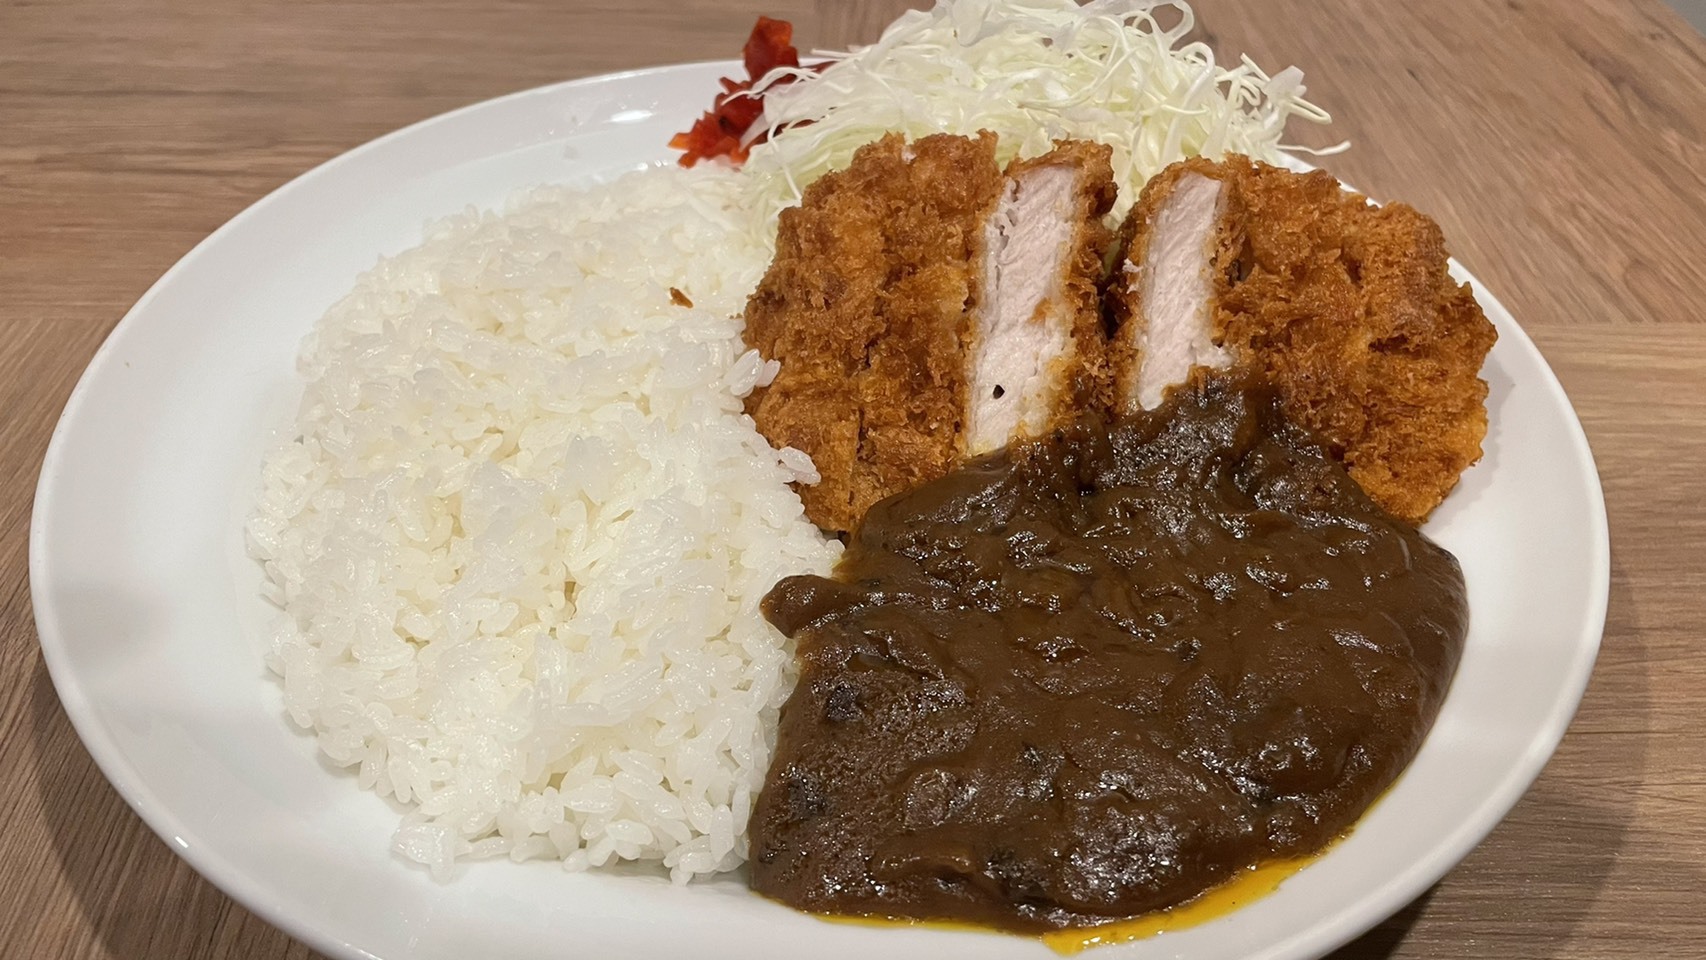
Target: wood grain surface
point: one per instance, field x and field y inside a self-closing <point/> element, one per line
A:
<point x="1561" y="144"/>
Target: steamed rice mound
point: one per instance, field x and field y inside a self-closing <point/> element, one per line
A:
<point x="521" y="528"/>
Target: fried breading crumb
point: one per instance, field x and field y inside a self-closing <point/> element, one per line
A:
<point x="864" y="305"/>
<point x="1350" y="308"/>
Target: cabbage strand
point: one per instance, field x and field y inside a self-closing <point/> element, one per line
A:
<point x="1033" y="72"/>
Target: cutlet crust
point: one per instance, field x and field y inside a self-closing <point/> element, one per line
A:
<point x="865" y="306"/>
<point x="1349" y="307"/>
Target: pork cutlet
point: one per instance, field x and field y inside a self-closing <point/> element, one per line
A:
<point x="925" y="306"/>
<point x="1346" y="307"/>
<point x="928" y="307"/>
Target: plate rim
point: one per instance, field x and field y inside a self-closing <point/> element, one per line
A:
<point x="1423" y="874"/>
<point x="1401" y="887"/>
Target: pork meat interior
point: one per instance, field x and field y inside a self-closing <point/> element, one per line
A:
<point x="1036" y="339"/>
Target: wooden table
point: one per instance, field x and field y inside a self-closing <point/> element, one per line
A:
<point x="1561" y="144"/>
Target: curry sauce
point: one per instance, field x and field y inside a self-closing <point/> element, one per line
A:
<point x="1090" y="677"/>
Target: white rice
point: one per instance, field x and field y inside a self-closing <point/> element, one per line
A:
<point x="522" y="527"/>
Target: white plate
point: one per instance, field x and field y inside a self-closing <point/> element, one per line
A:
<point x="152" y="626"/>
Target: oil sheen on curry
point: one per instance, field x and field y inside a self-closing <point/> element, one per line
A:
<point x="1093" y="676"/>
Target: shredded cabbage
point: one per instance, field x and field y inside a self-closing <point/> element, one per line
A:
<point x="1031" y="71"/>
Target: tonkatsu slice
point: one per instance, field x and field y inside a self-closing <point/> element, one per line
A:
<point x="1346" y="306"/>
<point x="927" y="306"/>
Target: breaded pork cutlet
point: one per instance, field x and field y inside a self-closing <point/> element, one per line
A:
<point x="926" y="307"/>
<point x="1345" y="306"/>
<point x="1036" y="340"/>
<point x="864" y="305"/>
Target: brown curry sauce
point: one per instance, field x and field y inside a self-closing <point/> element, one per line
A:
<point x="1093" y="676"/>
